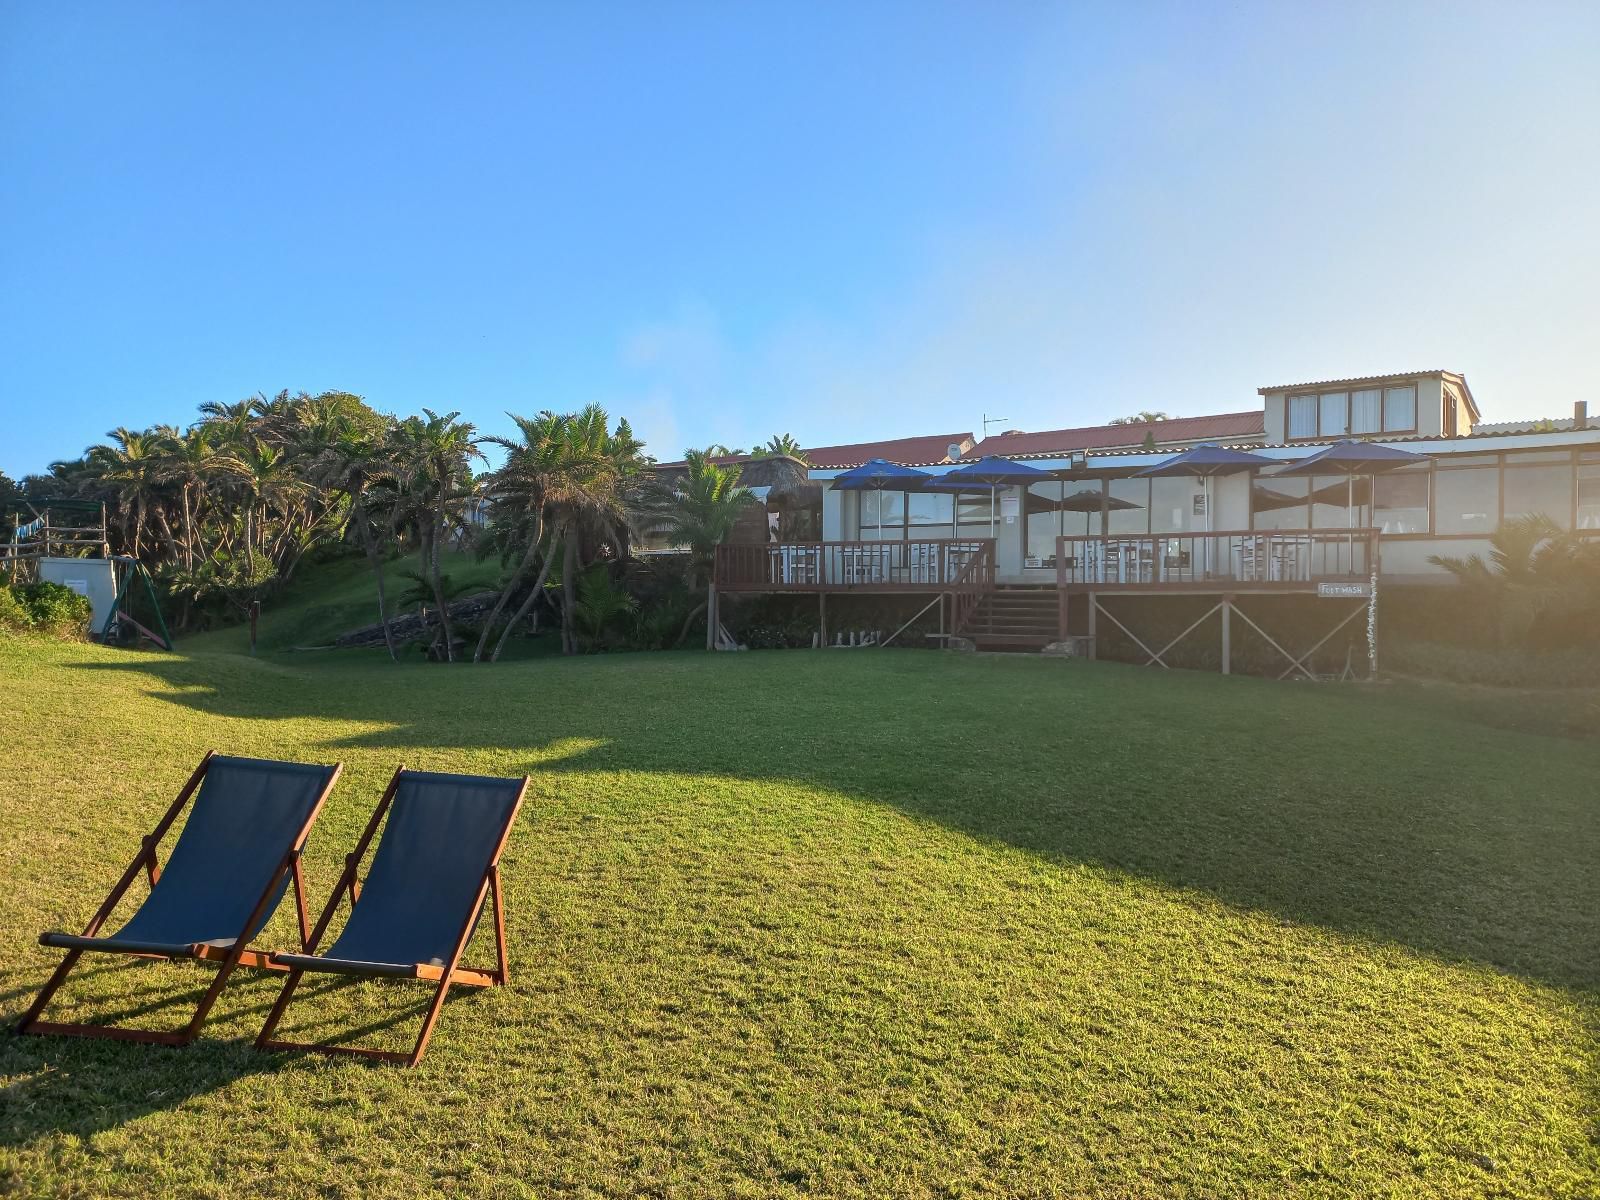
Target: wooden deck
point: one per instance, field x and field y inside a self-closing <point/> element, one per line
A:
<point x="1278" y="560"/>
<point x="936" y="565"/>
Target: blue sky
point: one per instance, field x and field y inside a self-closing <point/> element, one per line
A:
<point x="842" y="221"/>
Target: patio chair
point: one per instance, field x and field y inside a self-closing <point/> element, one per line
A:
<point x="437" y="862"/>
<point x="237" y="854"/>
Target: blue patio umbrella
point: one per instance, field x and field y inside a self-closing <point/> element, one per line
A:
<point x="878" y="474"/>
<point x="990" y="473"/>
<point x="1203" y="462"/>
<point x="1350" y="459"/>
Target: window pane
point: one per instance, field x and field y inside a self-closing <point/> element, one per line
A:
<point x="1333" y="420"/>
<point x="1402" y="502"/>
<point x="1400" y="408"/>
<point x="1589" y="497"/>
<point x="1366" y="411"/>
<point x="1172" y="504"/>
<point x="1546" y="490"/>
<point x="893" y="508"/>
<point x="1538" y="456"/>
<point x="973" y="508"/>
<point x="1278" y="503"/>
<point x="1130" y="520"/>
<point x="1044" y="521"/>
<point x="869" y="509"/>
<point x="1302" y="416"/>
<point x="928" y="508"/>
<point x="1331" y="500"/>
<point x="1466" y="501"/>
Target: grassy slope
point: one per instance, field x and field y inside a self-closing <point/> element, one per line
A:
<point x="866" y="923"/>
<point x="328" y="599"/>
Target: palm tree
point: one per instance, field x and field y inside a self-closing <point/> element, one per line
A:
<point x="570" y="481"/>
<point x="707" y="505"/>
<point x="782" y="445"/>
<point x="1536" y="570"/>
<point x="434" y="459"/>
<point x="348" y="448"/>
<point x="189" y="459"/>
<point x="129" y="466"/>
<point x="1142" y="418"/>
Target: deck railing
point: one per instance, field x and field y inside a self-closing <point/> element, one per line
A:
<point x="1259" y="557"/>
<point x="937" y="565"/>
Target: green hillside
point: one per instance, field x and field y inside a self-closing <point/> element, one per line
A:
<point x="327" y="599"/>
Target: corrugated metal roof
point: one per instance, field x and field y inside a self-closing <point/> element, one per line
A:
<point x="1321" y="383"/>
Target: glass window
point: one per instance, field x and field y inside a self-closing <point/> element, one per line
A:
<point x="1302" y="416"/>
<point x="1334" y="419"/>
<point x="974" y="508"/>
<point x="1546" y="490"/>
<point x="1044" y="521"/>
<point x="1468" y="460"/>
<point x="1402" y="502"/>
<point x="1081" y="524"/>
<point x="1366" y="411"/>
<point x="1466" y="501"/>
<point x="925" y="509"/>
<point x="1538" y="456"/>
<point x="1172" y="504"/>
<point x="1400" y="407"/>
<point x="883" y="516"/>
<point x="1589" y="496"/>
<point x="1130" y="520"/>
<point x="1278" y="502"/>
<point x="1332" y="499"/>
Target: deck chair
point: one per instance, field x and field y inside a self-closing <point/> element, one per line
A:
<point x="438" y="860"/>
<point x="237" y="855"/>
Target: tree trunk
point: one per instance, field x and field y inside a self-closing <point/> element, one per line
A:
<point x="188" y="530"/>
<point x="432" y="559"/>
<point x="522" y="611"/>
<point x="375" y="560"/>
<point x="569" y="594"/>
<point x="166" y="533"/>
<point x="505" y="595"/>
<point x="138" y="526"/>
<point x="689" y="624"/>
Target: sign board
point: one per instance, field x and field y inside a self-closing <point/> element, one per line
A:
<point x="1010" y="505"/>
<point x="1345" y="591"/>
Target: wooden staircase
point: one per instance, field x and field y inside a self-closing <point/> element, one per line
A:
<point x="1013" y="618"/>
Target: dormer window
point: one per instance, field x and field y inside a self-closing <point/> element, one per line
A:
<point x="1362" y="412"/>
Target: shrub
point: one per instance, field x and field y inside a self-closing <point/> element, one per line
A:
<point x="46" y="608"/>
<point x="1496" y="666"/>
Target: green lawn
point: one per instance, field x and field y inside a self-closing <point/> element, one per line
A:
<point x="869" y="923"/>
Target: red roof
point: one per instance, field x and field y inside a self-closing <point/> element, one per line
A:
<point x="1237" y="426"/>
<point x="933" y="448"/>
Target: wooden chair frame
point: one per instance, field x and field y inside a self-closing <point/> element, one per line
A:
<point x="450" y="973"/>
<point x="237" y="955"/>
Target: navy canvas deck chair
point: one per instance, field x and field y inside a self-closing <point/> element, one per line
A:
<point x="437" y="862"/>
<point x="237" y="855"/>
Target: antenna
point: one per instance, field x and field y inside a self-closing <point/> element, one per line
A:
<point x="988" y="421"/>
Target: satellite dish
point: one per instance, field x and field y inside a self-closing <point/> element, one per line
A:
<point x="953" y="452"/>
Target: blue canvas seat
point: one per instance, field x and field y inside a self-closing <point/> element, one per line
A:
<point x="234" y="860"/>
<point x="435" y="866"/>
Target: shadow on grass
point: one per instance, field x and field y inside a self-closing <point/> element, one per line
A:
<point x="85" y="1086"/>
<point x="1359" y="810"/>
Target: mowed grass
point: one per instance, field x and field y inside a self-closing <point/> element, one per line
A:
<point x="863" y="923"/>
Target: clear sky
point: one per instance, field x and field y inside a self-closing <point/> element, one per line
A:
<point x="845" y="221"/>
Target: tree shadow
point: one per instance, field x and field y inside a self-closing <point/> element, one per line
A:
<point x="85" y="1086"/>
<point x="1357" y="810"/>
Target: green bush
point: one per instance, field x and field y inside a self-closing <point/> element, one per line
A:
<point x="46" y="608"/>
<point x="1497" y="666"/>
<point x="14" y="615"/>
